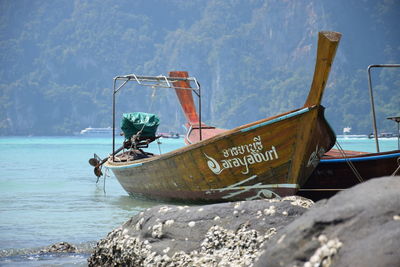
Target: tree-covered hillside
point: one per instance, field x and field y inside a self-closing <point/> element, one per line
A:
<point x="253" y="59"/>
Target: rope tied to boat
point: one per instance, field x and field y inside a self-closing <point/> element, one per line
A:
<point x="398" y="167"/>
<point x="105" y="175"/>
<point x="351" y="165"/>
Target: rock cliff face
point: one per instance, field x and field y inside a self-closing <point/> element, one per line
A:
<point x="357" y="227"/>
<point x="252" y="58"/>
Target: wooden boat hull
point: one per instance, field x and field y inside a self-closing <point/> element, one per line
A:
<point x="334" y="174"/>
<point x="269" y="158"/>
<point x="264" y="159"/>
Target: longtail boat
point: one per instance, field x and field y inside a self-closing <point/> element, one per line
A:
<point x="269" y="158"/>
<point x="341" y="169"/>
<point x="336" y="171"/>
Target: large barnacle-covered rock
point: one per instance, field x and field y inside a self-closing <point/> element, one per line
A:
<point x="219" y="234"/>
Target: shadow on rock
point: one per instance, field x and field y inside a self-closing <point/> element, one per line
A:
<point x="357" y="227"/>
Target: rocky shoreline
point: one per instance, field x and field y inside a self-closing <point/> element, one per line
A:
<point x="357" y="227"/>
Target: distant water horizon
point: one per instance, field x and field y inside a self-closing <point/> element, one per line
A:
<point x="49" y="194"/>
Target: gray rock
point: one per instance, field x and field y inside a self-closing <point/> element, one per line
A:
<point x="357" y="227"/>
<point x="224" y="234"/>
<point x="64" y="247"/>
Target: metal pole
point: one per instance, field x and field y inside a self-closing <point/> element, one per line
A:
<point x="201" y="137"/>
<point x="398" y="135"/>
<point x="113" y="120"/>
<point x="372" y="97"/>
<point x="115" y="91"/>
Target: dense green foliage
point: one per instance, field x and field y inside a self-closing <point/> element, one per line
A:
<point x="253" y="59"/>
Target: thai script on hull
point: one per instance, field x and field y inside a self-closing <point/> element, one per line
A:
<point x="252" y="153"/>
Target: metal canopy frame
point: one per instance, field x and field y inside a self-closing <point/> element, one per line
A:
<point x="160" y="81"/>
<point x="372" y="97"/>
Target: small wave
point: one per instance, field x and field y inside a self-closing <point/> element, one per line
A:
<point x="46" y="259"/>
<point x="37" y="252"/>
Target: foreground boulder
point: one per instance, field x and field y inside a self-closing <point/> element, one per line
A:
<point x="357" y="227"/>
<point x="224" y="234"/>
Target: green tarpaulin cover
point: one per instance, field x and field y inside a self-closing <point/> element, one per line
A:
<point x="133" y="122"/>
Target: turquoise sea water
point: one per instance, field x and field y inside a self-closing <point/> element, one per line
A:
<point x="367" y="145"/>
<point x="48" y="194"/>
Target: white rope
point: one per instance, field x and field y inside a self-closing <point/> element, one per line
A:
<point x="351" y="165"/>
<point x="398" y="167"/>
<point x="106" y="174"/>
<point x="159" y="148"/>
